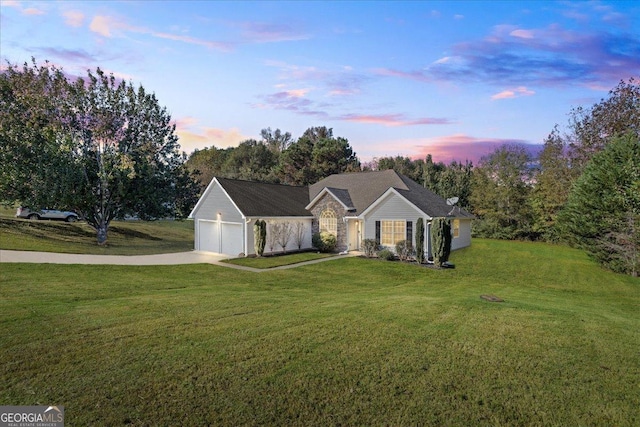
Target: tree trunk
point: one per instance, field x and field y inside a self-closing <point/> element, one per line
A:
<point x="101" y="231"/>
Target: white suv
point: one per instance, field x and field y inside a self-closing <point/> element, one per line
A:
<point x="67" y="216"/>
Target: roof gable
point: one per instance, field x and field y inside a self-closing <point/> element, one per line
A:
<point x="366" y="188"/>
<point x="342" y="196"/>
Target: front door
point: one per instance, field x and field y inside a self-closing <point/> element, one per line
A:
<point x="354" y="232"/>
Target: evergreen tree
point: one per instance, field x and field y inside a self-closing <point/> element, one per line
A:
<point x="602" y="214"/>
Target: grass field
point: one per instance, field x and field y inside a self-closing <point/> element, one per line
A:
<point x="125" y="237"/>
<point x="345" y="342"/>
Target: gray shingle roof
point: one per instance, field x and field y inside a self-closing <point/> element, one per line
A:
<point x="343" y="196"/>
<point x="355" y="190"/>
<point x="363" y="187"/>
<point x="261" y="199"/>
<point x="366" y="187"/>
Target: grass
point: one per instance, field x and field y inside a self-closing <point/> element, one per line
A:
<point x="278" y="261"/>
<point x="348" y="341"/>
<point x="125" y="237"/>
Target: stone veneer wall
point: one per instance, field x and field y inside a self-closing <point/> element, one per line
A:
<point x="328" y="202"/>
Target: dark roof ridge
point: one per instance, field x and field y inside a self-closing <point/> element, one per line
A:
<point x="259" y="182"/>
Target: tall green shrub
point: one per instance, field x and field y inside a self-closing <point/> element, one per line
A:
<point x="441" y="240"/>
<point x="260" y="236"/>
<point x="420" y="241"/>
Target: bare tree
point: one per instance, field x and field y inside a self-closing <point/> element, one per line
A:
<point x="273" y="231"/>
<point x="299" y="233"/>
<point x="284" y="235"/>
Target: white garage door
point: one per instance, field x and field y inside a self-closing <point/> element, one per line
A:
<point x="223" y="238"/>
<point x="231" y="239"/>
<point x="208" y="237"/>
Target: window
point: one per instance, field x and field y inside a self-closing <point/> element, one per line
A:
<point x="392" y="232"/>
<point x="329" y="222"/>
<point x="455" y="227"/>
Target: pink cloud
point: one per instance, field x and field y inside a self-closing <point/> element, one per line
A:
<point x="392" y="120"/>
<point x="522" y="34"/>
<point x="192" y="137"/>
<point x="33" y="11"/>
<point x="513" y="93"/>
<point x="73" y="18"/>
<point x="108" y="26"/>
<point x="460" y="147"/>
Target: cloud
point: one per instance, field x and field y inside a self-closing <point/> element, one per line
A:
<point x="104" y="25"/>
<point x="513" y="93"/>
<point x="264" y="32"/>
<point x="459" y="147"/>
<point x="523" y="34"/>
<point x="392" y="119"/>
<point x="551" y="56"/>
<point x="33" y="11"/>
<point x="297" y="102"/>
<point x="109" y="27"/>
<point x="73" y="18"/>
<point x="192" y="137"/>
<point x="69" y="55"/>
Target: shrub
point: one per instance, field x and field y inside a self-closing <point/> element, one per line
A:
<point x="441" y="240"/>
<point x="386" y="254"/>
<point x="420" y="241"/>
<point x="369" y="247"/>
<point x="260" y="236"/>
<point x="404" y="250"/>
<point x="324" y="241"/>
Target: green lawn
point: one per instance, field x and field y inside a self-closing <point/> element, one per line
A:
<point x="125" y="237"/>
<point x="278" y="260"/>
<point x="345" y="342"/>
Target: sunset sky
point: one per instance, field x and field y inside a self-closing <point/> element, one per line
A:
<point x="454" y="79"/>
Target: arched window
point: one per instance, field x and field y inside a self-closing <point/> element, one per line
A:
<point x="329" y="222"/>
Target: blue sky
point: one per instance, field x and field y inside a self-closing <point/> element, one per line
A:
<point x="454" y="79"/>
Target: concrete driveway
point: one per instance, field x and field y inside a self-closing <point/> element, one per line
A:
<point x="159" y="259"/>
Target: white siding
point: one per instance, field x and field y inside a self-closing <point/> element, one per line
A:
<point x="216" y="201"/>
<point x="393" y="207"/>
<point x="291" y="246"/>
<point x="464" y="237"/>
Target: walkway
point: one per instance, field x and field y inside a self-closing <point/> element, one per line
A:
<point x="159" y="259"/>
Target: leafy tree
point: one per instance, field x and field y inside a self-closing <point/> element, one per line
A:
<point x="276" y="140"/>
<point x="250" y="161"/>
<point x="32" y="107"/>
<point x="431" y="175"/>
<point x="500" y="193"/>
<point x="316" y="155"/>
<point x="207" y="163"/>
<point x="295" y="166"/>
<point x="602" y="214"/>
<point x="98" y="146"/>
<point x="593" y="128"/>
<point x="455" y="181"/>
<point x="552" y="185"/>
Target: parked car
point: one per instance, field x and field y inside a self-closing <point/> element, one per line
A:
<point x="67" y="216"/>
